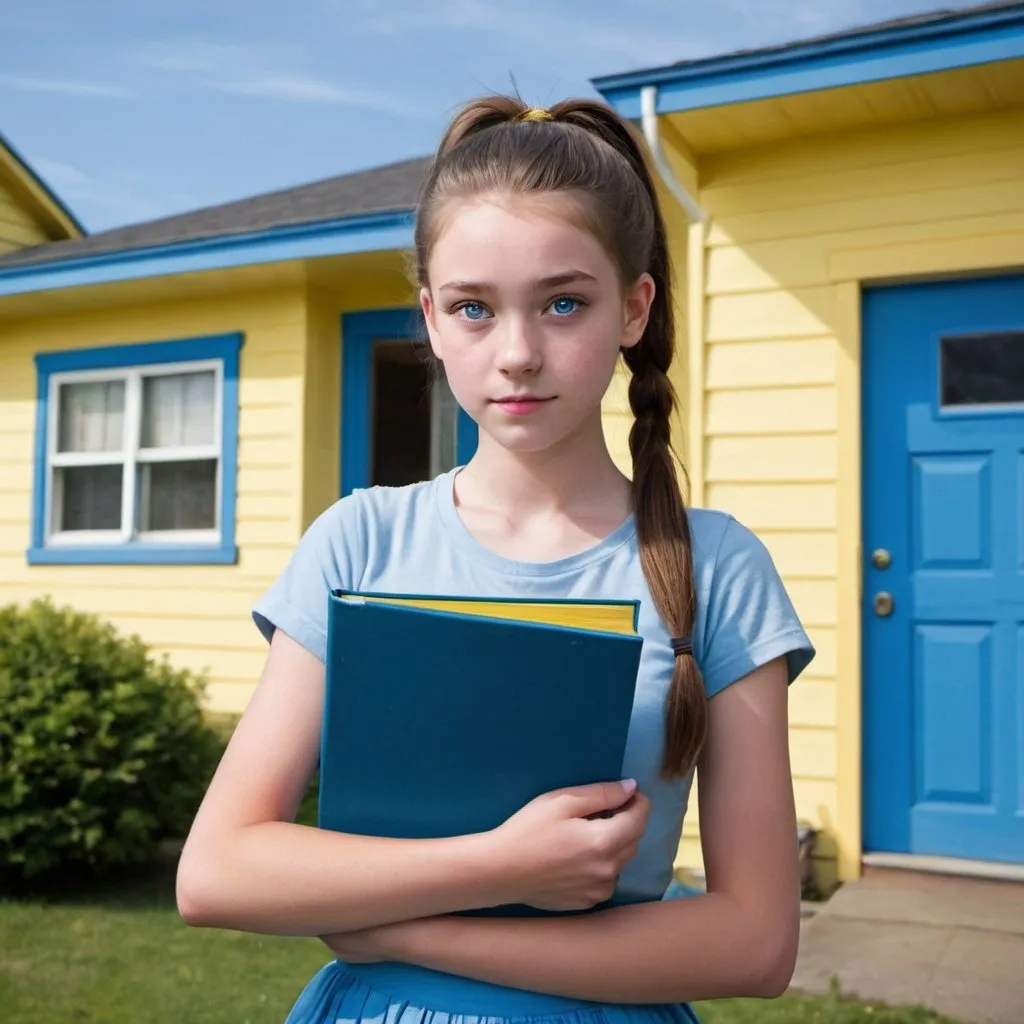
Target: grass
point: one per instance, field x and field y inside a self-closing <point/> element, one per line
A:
<point x="121" y="955"/>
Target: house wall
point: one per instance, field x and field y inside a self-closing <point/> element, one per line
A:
<point x="288" y="468"/>
<point x="18" y="227"/>
<point x="796" y="228"/>
<point x="198" y="615"/>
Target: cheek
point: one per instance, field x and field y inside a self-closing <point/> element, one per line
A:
<point x="464" y="363"/>
<point x="586" y="359"/>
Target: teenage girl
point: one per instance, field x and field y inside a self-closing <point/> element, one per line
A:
<point x="541" y="259"/>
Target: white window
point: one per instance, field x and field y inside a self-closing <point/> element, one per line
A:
<point x="134" y="455"/>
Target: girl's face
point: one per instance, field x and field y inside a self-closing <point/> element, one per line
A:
<point x="527" y="312"/>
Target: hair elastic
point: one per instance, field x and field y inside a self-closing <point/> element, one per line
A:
<point x="534" y="114"/>
<point x="682" y="645"/>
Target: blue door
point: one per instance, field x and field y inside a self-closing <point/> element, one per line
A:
<point x="943" y="548"/>
<point x="400" y="422"/>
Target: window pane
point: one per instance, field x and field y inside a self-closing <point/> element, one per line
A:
<point x="178" y="409"/>
<point x="90" y="416"/>
<point x="983" y="369"/>
<point x="179" y="495"/>
<point x="89" y="498"/>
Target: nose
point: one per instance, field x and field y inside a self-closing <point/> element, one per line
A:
<point x="519" y="350"/>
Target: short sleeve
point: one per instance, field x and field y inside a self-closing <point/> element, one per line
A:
<point x="750" y="617"/>
<point x="327" y="558"/>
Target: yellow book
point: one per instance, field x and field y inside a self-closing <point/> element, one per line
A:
<point x="581" y="613"/>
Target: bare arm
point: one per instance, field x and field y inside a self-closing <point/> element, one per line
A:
<point x="247" y="866"/>
<point x="739" y="939"/>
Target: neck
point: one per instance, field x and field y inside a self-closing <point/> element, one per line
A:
<point x="576" y="477"/>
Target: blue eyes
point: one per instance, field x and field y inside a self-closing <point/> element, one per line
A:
<point x="563" y="306"/>
<point x="474" y="311"/>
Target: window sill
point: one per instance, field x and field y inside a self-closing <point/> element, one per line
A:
<point x="134" y="554"/>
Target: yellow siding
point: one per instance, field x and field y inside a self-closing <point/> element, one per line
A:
<point x="289" y="395"/>
<point x="18" y="227"/>
<point x="790" y="225"/>
<point x="199" y="615"/>
<point x="322" y="406"/>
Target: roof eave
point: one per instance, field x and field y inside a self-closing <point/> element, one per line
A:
<point x="50" y="205"/>
<point x="342" y="236"/>
<point x="855" y="59"/>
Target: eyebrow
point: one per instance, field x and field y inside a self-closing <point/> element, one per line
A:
<point x="555" y="281"/>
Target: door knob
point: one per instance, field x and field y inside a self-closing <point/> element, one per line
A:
<point x="881" y="559"/>
<point x="884" y="604"/>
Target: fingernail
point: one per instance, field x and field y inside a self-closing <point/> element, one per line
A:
<point x="629" y="785"/>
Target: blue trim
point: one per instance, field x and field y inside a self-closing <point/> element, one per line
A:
<point x="134" y="554"/>
<point x="225" y="347"/>
<point x="368" y="233"/>
<point x="358" y="333"/>
<point x="852" y="59"/>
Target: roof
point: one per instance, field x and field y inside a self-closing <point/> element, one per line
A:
<point x="938" y="41"/>
<point x="391" y="188"/>
<point x="47" y="203"/>
<point x="927" y="18"/>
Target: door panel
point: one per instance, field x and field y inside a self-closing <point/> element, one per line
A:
<point x="943" y="375"/>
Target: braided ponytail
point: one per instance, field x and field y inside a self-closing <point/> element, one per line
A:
<point x="585" y="149"/>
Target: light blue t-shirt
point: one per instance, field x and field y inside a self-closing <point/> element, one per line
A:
<point x="412" y="540"/>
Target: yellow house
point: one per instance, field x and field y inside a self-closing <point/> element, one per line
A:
<point x="848" y="216"/>
<point x="179" y="399"/>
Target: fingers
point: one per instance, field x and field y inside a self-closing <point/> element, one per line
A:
<point x="600" y="797"/>
<point x="628" y="825"/>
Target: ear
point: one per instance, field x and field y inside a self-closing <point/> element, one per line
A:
<point x="637" y="310"/>
<point x="430" y="316"/>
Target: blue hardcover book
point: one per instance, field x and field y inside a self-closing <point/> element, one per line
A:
<point x="441" y="723"/>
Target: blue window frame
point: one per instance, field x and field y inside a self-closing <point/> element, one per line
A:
<point x="136" y="454"/>
<point x="360" y="334"/>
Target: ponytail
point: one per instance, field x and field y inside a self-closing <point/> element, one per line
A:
<point x="585" y="148"/>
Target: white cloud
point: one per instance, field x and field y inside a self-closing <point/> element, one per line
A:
<point x="28" y="83"/>
<point x="214" y="59"/>
<point x="60" y="176"/>
<point x="302" y="88"/>
<point x="268" y="70"/>
<point x="120" y="198"/>
<point x="643" y="50"/>
<point x="401" y="15"/>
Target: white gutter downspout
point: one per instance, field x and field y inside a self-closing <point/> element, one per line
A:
<point x="695" y="298"/>
<point x="649" y="120"/>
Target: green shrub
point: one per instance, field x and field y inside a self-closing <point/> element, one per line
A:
<point x="103" y="749"/>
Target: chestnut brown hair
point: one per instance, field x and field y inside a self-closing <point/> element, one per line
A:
<point x="584" y="150"/>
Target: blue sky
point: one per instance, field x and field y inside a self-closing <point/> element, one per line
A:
<point x="133" y="109"/>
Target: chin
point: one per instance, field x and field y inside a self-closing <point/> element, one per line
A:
<point x="529" y="440"/>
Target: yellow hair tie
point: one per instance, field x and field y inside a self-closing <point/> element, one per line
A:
<point x="534" y="114"/>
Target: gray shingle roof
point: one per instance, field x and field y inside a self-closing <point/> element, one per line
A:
<point x="936" y="17"/>
<point x="391" y="188"/>
<point x="928" y="17"/>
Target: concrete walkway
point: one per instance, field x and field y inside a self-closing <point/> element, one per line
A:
<point x="955" y="945"/>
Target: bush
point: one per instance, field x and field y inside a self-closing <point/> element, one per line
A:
<point x="103" y="749"/>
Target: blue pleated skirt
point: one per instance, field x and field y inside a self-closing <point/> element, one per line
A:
<point x="389" y="993"/>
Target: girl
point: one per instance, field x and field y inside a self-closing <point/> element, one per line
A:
<point x="541" y="257"/>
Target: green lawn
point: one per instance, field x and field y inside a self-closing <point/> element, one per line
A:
<point x="122" y="956"/>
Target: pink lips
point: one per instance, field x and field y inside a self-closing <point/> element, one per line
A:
<point x="521" y="405"/>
